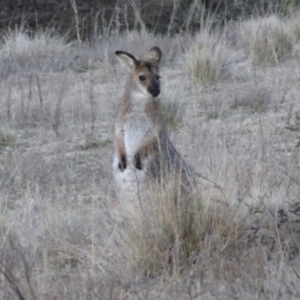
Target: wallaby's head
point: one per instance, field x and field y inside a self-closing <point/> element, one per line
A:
<point x="145" y="73"/>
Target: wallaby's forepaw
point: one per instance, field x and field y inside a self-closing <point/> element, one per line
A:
<point x="138" y="161"/>
<point x="123" y="163"/>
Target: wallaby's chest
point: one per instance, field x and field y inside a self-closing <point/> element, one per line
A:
<point x="137" y="128"/>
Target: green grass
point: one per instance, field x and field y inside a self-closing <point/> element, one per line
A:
<point x="91" y="144"/>
<point x="212" y="116"/>
<point x="172" y="113"/>
<point x="7" y="140"/>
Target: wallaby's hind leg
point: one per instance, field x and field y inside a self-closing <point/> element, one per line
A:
<point x="120" y="152"/>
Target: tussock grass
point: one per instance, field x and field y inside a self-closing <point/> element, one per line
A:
<point x="268" y="40"/>
<point x="169" y="234"/>
<point x="172" y="108"/>
<point x="166" y="233"/>
<point x="172" y="114"/>
<point x="22" y="51"/>
<point x="256" y="100"/>
<point x="208" y="57"/>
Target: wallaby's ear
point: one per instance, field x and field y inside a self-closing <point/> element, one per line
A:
<point x="154" y="55"/>
<point x="126" y="59"/>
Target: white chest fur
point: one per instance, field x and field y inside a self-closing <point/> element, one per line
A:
<point x="136" y="129"/>
<point x="137" y="125"/>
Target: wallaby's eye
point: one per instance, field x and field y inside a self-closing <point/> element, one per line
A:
<point x="142" y="78"/>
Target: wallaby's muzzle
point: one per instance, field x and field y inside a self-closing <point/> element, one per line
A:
<point x="154" y="90"/>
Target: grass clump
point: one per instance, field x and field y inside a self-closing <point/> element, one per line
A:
<point x="21" y="51"/>
<point x="7" y="140"/>
<point x="173" y="106"/>
<point x="172" y="112"/>
<point x="254" y="100"/>
<point x="268" y="40"/>
<point x="167" y="236"/>
<point x="208" y="58"/>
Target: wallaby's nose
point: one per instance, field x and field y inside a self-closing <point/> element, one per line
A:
<point x="154" y="91"/>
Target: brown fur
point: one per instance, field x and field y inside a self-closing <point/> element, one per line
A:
<point x="140" y="123"/>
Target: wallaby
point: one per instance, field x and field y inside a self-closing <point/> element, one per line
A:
<point x="142" y="149"/>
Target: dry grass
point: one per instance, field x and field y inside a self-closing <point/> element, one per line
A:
<point x="293" y="24"/>
<point x="208" y="57"/>
<point x="236" y="238"/>
<point x="268" y="40"/>
<point x="168" y="234"/>
<point x="22" y="51"/>
<point x="173" y="107"/>
<point x="256" y="99"/>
